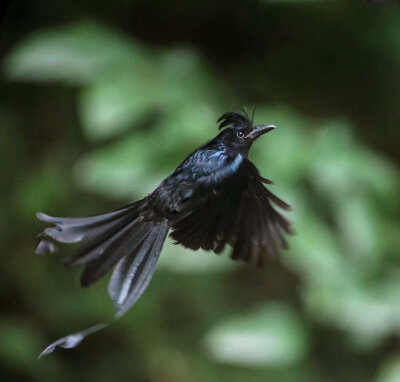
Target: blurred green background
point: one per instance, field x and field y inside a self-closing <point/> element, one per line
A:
<point x="101" y="100"/>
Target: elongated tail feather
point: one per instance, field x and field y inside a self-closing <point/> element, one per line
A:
<point x="124" y="239"/>
<point x="75" y="230"/>
<point x="133" y="273"/>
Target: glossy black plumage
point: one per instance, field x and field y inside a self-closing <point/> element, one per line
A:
<point x="215" y="198"/>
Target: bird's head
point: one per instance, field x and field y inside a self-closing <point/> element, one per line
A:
<point x="239" y="132"/>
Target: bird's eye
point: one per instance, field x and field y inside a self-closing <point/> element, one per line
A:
<point x="240" y="134"/>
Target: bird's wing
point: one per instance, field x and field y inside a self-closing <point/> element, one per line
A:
<point x="242" y="214"/>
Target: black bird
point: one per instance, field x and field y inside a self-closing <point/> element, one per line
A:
<point x="214" y="198"/>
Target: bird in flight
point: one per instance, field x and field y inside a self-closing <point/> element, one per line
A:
<point x="214" y="198"/>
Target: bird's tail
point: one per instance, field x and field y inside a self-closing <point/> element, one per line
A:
<point x="122" y="238"/>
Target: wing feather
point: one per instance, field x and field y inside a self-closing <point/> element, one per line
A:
<point x="241" y="214"/>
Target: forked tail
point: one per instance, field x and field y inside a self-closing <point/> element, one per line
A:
<point x="122" y="238"/>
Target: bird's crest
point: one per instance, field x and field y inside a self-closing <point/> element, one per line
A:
<point x="239" y="119"/>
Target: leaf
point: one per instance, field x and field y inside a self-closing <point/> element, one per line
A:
<point x="122" y="99"/>
<point x="284" y="154"/>
<point x="271" y="335"/>
<point x="341" y="165"/>
<point x="18" y="344"/>
<point x="390" y="371"/>
<point x="73" y="54"/>
<point x="121" y="170"/>
<point x="116" y="102"/>
<point x="180" y="260"/>
<point x="134" y="166"/>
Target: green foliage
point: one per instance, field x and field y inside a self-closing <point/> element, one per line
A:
<point x="75" y="54"/>
<point x="390" y="372"/>
<point x="271" y="335"/>
<point x="141" y="110"/>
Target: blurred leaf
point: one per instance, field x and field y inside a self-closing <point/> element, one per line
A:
<point x="122" y="99"/>
<point x="123" y="170"/>
<point x="269" y="336"/>
<point x="75" y="54"/>
<point x="181" y="260"/>
<point x="314" y="246"/>
<point x="182" y="129"/>
<point x="38" y="189"/>
<point x="359" y="226"/>
<point x="128" y="167"/>
<point x="115" y="102"/>
<point x="369" y="312"/>
<point x="19" y="343"/>
<point x="284" y="154"/>
<point x="390" y="372"/>
<point x="342" y="166"/>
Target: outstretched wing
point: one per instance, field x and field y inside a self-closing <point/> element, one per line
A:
<point x="240" y="213"/>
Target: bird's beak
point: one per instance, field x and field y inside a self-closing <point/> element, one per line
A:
<point x="260" y="130"/>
